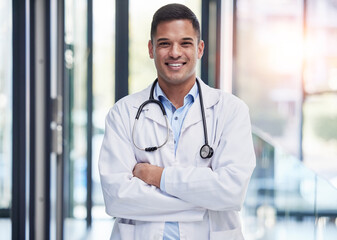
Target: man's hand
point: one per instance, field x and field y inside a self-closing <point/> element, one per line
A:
<point x="150" y="174"/>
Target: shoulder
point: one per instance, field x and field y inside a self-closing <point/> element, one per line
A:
<point x="130" y="102"/>
<point x="226" y="107"/>
<point x="231" y="101"/>
<point x="222" y="100"/>
<point x="232" y="108"/>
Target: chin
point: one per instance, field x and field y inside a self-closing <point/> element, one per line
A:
<point x="175" y="81"/>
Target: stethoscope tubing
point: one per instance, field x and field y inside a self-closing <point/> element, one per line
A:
<point x="203" y="113"/>
<point x="150" y="149"/>
<point x="205" y="152"/>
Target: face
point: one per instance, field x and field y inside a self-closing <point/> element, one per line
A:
<point x="175" y="50"/>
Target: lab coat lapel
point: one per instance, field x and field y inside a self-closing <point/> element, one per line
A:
<point x="151" y="111"/>
<point x="210" y="97"/>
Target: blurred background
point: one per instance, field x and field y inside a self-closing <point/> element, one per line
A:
<point x="65" y="63"/>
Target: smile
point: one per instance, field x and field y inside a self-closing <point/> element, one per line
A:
<point x="175" y="65"/>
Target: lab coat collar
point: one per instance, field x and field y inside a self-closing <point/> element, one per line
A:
<point x="210" y="95"/>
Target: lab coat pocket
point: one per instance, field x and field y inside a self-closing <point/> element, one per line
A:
<point x="126" y="231"/>
<point x="233" y="234"/>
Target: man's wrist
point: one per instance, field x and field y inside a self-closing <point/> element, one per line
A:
<point x="150" y="174"/>
<point x="155" y="174"/>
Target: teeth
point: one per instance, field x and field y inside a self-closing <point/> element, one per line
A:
<point x="175" y="64"/>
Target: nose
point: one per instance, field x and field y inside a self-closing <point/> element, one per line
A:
<point x="175" y="51"/>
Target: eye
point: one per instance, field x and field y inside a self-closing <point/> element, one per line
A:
<point x="163" y="44"/>
<point x="186" y="43"/>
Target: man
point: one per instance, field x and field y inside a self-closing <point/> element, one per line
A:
<point x="173" y="190"/>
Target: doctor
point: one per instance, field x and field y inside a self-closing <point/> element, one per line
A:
<point x="176" y="191"/>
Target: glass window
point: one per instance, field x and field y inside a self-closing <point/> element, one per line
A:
<point x="103" y="88"/>
<point x="321" y="47"/>
<point x="320" y="85"/>
<point x="76" y="56"/>
<point x="76" y="67"/>
<point x="320" y="134"/>
<point x="268" y="67"/>
<point x="326" y="204"/>
<point x="287" y="200"/>
<point x="142" y="71"/>
<point x="5" y="116"/>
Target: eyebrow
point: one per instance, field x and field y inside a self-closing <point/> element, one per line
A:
<point x="188" y="39"/>
<point x="162" y="39"/>
<point x="166" y="39"/>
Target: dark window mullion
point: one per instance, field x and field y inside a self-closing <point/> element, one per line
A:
<point x="32" y="145"/>
<point x="122" y="49"/>
<point x="48" y="114"/>
<point x="18" y="208"/>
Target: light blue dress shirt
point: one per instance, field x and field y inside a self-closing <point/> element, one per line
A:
<point x="176" y="118"/>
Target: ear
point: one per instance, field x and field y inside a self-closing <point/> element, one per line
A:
<point x="201" y="47"/>
<point x="150" y="46"/>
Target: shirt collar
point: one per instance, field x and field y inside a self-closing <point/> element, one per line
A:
<point x="190" y="97"/>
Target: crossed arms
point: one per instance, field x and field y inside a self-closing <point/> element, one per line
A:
<point x="131" y="189"/>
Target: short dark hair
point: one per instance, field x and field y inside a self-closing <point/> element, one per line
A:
<point x="174" y="11"/>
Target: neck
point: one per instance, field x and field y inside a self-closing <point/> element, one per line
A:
<point x="176" y="92"/>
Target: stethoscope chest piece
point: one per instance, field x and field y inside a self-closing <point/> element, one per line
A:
<point x="206" y="151"/>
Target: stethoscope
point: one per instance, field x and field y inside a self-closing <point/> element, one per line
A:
<point x="205" y="151"/>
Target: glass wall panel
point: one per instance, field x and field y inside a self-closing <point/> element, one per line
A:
<point x="142" y="71"/>
<point x="5" y="117"/>
<point x="103" y="87"/>
<point x="76" y="56"/>
<point x="268" y="66"/>
<point x="287" y="200"/>
<point x="320" y="134"/>
<point x="320" y="85"/>
<point x="321" y="47"/>
<point x="326" y="210"/>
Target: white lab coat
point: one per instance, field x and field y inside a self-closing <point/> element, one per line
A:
<point x="204" y="196"/>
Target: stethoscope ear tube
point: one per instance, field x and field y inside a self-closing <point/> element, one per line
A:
<point x="140" y="109"/>
<point x="150" y="149"/>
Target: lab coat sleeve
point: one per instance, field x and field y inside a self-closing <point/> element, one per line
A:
<point x="222" y="186"/>
<point x="129" y="197"/>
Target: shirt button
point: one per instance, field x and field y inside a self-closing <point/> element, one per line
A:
<point x="175" y="118"/>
